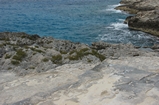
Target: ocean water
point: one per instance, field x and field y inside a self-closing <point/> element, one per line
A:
<point x="84" y="21"/>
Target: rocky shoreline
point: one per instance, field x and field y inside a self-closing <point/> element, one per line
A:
<point x="46" y="71"/>
<point x="38" y="70"/>
<point x="146" y="15"/>
<point x="25" y="53"/>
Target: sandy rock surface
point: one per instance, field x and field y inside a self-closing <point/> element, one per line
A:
<point x="126" y="81"/>
<point x="47" y="71"/>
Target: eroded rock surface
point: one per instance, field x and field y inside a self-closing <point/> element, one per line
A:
<point x="125" y="81"/>
<point x="47" y="71"/>
<point x="146" y="15"/>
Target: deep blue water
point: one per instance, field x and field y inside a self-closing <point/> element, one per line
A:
<point x="83" y="21"/>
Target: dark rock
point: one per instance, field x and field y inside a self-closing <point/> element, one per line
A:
<point x="100" y="45"/>
<point x="156" y="46"/>
<point x="147" y="15"/>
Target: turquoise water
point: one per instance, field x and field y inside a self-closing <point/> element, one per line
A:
<point x="84" y="21"/>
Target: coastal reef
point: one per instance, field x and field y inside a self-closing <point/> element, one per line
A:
<point x="145" y="15"/>
<point x="38" y="70"/>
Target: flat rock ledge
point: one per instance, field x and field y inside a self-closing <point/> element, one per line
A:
<point x="146" y="16"/>
<point x="45" y="71"/>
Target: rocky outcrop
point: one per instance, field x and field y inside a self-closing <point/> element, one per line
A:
<point x="45" y="71"/>
<point x="146" y="16"/>
<point x="24" y="54"/>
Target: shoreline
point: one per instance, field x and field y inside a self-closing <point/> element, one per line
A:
<point x="145" y="17"/>
<point x="25" y="54"/>
<point x="45" y="71"/>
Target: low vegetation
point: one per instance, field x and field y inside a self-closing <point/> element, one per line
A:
<point x="20" y="54"/>
<point x="45" y="60"/>
<point x="48" y="42"/>
<point x="37" y="50"/>
<point x="1" y="45"/>
<point x="31" y="67"/>
<point x="4" y="39"/>
<point x="88" y="60"/>
<point x="78" y="55"/>
<point x="7" y="56"/>
<point x="57" y="59"/>
<point x="100" y="56"/>
<point x="63" y="52"/>
<point x="31" y="37"/>
<point x="15" y="62"/>
<point x="22" y="48"/>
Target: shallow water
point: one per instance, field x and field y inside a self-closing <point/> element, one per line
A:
<point x="83" y="21"/>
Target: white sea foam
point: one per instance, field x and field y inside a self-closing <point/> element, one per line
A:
<point x="113" y="10"/>
<point x="121" y="20"/>
<point x="112" y="38"/>
<point x="110" y="8"/>
<point x="119" y="26"/>
<point x="113" y="6"/>
<point x="118" y="33"/>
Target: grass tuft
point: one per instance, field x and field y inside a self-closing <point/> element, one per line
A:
<point x="78" y="55"/>
<point x="57" y="59"/>
<point x="37" y="50"/>
<point x="19" y="55"/>
<point x="100" y="56"/>
<point x="45" y="60"/>
<point x="14" y="62"/>
<point x="7" y="56"/>
<point x="63" y="52"/>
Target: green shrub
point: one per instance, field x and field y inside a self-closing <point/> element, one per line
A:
<point x="73" y="57"/>
<point x="100" y="56"/>
<point x="37" y="46"/>
<point x="48" y="42"/>
<point x="31" y="37"/>
<point x="84" y="52"/>
<point x="1" y="45"/>
<point x="45" y="60"/>
<point x="57" y="59"/>
<point x="5" y="39"/>
<point x="19" y="55"/>
<point x="31" y="67"/>
<point x="15" y="48"/>
<point x="34" y="53"/>
<point x="23" y="36"/>
<point x="26" y="47"/>
<point x="63" y="52"/>
<point x="7" y="56"/>
<point x="37" y="50"/>
<point x="14" y="62"/>
<point x="78" y="54"/>
<point x="88" y="60"/>
<point x="71" y="52"/>
<point x="9" y="68"/>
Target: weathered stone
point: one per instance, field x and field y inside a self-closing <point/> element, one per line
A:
<point x="146" y="15"/>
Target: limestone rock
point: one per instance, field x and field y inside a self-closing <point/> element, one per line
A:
<point x="146" y="16"/>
